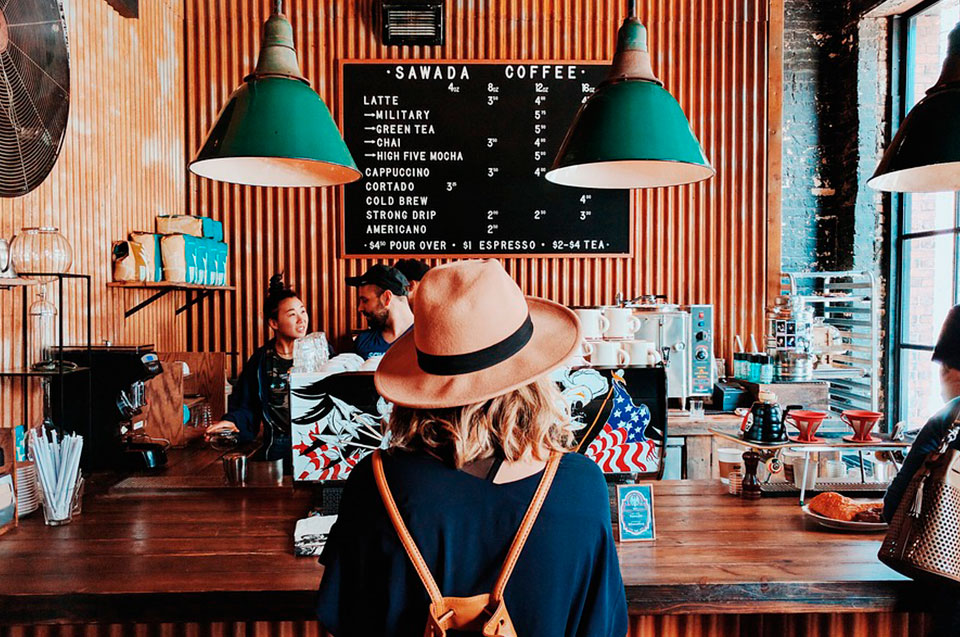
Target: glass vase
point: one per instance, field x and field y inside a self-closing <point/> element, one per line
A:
<point x="40" y="250"/>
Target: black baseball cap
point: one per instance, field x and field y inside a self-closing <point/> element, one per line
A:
<point x="413" y="269"/>
<point x="947" y="350"/>
<point x="384" y="276"/>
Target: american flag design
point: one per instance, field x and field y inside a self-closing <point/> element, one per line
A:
<point x="622" y="446"/>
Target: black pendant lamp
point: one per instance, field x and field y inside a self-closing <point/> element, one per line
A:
<point x="275" y="130"/>
<point x="924" y="156"/>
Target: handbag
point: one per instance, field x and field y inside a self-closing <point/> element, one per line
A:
<point x="923" y="541"/>
<point x="484" y="614"/>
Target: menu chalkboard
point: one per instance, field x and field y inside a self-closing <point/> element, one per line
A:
<point x="453" y="156"/>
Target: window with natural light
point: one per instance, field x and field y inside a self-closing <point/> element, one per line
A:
<point x="927" y="234"/>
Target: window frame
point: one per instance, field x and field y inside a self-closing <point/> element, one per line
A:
<point x="901" y="52"/>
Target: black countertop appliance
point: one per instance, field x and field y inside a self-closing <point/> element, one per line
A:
<point x="118" y="374"/>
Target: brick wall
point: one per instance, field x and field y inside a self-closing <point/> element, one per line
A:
<point x="832" y="63"/>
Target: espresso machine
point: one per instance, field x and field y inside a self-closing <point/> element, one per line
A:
<point x="118" y="373"/>
<point x="684" y="337"/>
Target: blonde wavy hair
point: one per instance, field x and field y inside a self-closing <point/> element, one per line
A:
<point x="529" y="422"/>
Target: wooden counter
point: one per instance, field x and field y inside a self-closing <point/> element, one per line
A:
<point x="211" y="555"/>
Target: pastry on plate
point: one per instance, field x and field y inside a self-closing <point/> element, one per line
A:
<point x="840" y="507"/>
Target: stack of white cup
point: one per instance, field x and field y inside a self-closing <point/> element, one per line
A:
<point x="609" y="341"/>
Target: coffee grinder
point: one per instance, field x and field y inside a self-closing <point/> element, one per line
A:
<point x="119" y="373"/>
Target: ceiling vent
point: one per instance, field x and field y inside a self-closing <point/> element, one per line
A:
<point x="409" y="22"/>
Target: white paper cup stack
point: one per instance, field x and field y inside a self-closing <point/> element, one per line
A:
<point x="28" y="496"/>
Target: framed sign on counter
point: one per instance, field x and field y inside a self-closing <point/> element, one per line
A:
<point x="635" y="512"/>
<point x="454" y="156"/>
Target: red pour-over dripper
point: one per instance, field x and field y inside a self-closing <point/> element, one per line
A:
<point x="862" y="422"/>
<point x="807" y="422"/>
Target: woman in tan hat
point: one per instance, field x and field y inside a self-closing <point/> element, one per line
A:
<point x="475" y="519"/>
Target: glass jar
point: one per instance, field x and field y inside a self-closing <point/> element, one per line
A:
<point x="43" y="316"/>
<point x="790" y="324"/>
<point x="41" y="250"/>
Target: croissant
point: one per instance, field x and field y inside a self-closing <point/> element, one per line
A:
<point x="839" y="507"/>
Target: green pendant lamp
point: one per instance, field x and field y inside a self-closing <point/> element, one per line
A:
<point x="924" y="155"/>
<point x="631" y="133"/>
<point x="275" y="130"/>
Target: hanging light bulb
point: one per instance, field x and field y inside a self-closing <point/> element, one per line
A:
<point x="924" y="155"/>
<point x="630" y="133"/>
<point x="274" y="129"/>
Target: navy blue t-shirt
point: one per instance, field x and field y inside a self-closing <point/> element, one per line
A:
<point x="566" y="582"/>
<point x="370" y="342"/>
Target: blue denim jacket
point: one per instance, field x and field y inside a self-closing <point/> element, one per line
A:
<point x="927" y="440"/>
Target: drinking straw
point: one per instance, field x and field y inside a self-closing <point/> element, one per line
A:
<point x="739" y="342"/>
<point x="44" y="463"/>
<point x="73" y="464"/>
<point x="70" y="477"/>
<point x="62" y="458"/>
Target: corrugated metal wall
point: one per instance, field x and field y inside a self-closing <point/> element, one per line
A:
<point x="800" y="625"/>
<point x="121" y="164"/>
<point x="705" y="243"/>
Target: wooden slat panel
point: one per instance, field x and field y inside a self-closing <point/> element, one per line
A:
<point x="706" y="243"/>
<point x="121" y="164"/>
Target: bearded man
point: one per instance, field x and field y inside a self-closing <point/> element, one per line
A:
<point x="382" y="299"/>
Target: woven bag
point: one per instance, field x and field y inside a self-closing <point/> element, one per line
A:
<point x="923" y="541"/>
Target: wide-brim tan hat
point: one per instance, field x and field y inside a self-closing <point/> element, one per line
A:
<point x="475" y="336"/>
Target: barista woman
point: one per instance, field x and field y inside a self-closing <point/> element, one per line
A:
<point x="261" y="394"/>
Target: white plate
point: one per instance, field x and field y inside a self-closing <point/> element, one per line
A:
<point x="843" y="525"/>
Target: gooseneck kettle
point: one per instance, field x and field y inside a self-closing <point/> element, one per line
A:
<point x="766" y="421"/>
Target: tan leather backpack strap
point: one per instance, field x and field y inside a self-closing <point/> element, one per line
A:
<point x="525" y="526"/>
<point x="405" y="538"/>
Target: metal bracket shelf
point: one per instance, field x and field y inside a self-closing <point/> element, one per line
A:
<point x="165" y="287"/>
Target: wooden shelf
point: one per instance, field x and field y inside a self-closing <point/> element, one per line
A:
<point x="162" y="288"/>
<point x="168" y="285"/>
<point x="16" y="283"/>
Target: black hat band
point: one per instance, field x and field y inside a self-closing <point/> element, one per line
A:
<point x="454" y="364"/>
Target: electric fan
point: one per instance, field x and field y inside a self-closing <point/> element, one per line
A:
<point x="34" y="92"/>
